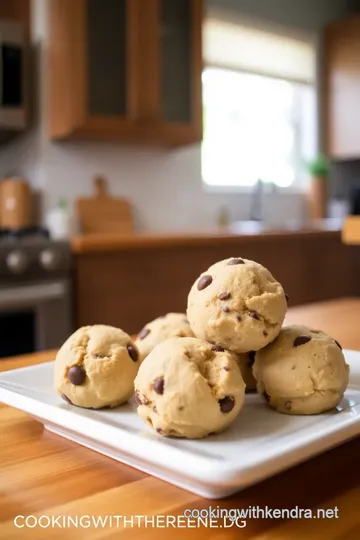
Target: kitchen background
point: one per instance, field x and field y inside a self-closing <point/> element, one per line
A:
<point x="117" y="94"/>
<point x="150" y="176"/>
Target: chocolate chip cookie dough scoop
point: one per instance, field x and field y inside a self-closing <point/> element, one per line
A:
<point x="96" y="367"/>
<point x="188" y="388"/>
<point x="160" y="329"/>
<point x="237" y="304"/>
<point x="302" y="372"/>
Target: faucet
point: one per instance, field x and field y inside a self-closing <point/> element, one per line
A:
<point x="256" y="203"/>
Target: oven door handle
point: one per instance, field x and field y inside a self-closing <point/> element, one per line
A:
<point x="31" y="295"/>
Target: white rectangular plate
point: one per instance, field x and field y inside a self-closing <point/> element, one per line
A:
<point x="260" y="443"/>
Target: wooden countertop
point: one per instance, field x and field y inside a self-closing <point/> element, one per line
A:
<point x="98" y="243"/>
<point x="351" y="230"/>
<point x="43" y="474"/>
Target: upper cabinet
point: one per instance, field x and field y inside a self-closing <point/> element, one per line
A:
<point x="126" y="69"/>
<point x="342" y="88"/>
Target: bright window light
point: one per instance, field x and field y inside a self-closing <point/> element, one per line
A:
<point x="255" y="127"/>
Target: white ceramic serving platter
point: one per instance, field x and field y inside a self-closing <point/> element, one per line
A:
<point x="259" y="444"/>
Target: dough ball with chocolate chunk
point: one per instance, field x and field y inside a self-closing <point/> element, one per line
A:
<point x="245" y="362"/>
<point x="160" y="329"/>
<point x="188" y="388"/>
<point x="302" y="372"/>
<point x="96" y="367"/>
<point x="237" y="304"/>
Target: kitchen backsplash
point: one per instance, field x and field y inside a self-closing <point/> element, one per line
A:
<point x="165" y="187"/>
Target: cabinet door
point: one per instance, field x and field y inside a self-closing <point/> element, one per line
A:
<point x="93" y="79"/>
<point x="128" y="69"/>
<point x="106" y="60"/>
<point x="342" y="88"/>
<point x="169" y="64"/>
<point x="180" y="69"/>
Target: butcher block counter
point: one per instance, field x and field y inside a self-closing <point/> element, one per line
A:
<point x="129" y="280"/>
<point x="42" y="474"/>
<point x="105" y="243"/>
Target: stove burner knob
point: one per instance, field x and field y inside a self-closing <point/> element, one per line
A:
<point x="49" y="259"/>
<point x="17" y="262"/>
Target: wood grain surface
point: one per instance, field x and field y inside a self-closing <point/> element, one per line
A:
<point x="109" y="243"/>
<point x="103" y="213"/>
<point x="351" y="230"/>
<point x="42" y="474"/>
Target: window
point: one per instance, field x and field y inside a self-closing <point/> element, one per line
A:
<point x="259" y="113"/>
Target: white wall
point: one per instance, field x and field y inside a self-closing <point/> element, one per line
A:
<point x="164" y="186"/>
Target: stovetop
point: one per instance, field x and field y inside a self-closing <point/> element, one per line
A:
<point x="31" y="255"/>
<point x="28" y="235"/>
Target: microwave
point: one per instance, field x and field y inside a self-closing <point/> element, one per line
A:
<point x="13" y="98"/>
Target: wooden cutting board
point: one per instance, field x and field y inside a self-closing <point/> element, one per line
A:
<point x="103" y="213"/>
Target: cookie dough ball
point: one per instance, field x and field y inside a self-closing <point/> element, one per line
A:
<point x="162" y="328"/>
<point x="189" y="388"/>
<point x="96" y="367"/>
<point x="245" y="362"/>
<point x="237" y="304"/>
<point x="302" y="372"/>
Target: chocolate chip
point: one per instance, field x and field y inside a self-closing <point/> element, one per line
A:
<point x="288" y="405"/>
<point x="134" y="355"/>
<point x="160" y="431"/>
<point x="137" y="398"/>
<point x="65" y="398"/>
<point x="265" y="333"/>
<point x="238" y="318"/>
<point x="226" y="368"/>
<point x="224" y="296"/>
<point x="158" y="385"/>
<point x="301" y="340"/>
<point x="226" y="404"/>
<point x="225" y="309"/>
<point x="287" y="298"/>
<point x="144" y="332"/>
<point x="235" y="261"/>
<point x="254" y="315"/>
<point x="77" y="375"/>
<point x="217" y="348"/>
<point x="338" y="344"/>
<point x="204" y="282"/>
<point x="181" y="408"/>
<point x="251" y="358"/>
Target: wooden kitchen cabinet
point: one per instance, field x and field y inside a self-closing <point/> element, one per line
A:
<point x="342" y="88"/>
<point x="126" y="69"/>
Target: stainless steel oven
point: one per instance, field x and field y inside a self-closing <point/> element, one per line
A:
<point x="35" y="296"/>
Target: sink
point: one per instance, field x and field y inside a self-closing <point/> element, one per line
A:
<point x="258" y="227"/>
